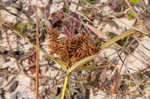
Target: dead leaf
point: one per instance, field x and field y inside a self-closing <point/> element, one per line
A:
<point x="97" y="32"/>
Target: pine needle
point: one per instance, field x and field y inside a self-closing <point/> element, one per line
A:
<point x="37" y="60"/>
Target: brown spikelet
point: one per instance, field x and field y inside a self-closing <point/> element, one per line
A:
<point x="54" y="35"/>
<point x="72" y="49"/>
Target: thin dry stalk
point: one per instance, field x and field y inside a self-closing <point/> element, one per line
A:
<point x="113" y="89"/>
<point x="37" y="61"/>
<point x="117" y="78"/>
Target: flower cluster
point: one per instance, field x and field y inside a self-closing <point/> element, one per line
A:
<point x="72" y="49"/>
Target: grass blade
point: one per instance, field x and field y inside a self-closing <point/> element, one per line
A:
<point x="94" y="67"/>
<point x="117" y="38"/>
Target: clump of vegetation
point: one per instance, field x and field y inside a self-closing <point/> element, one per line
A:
<point x="73" y="49"/>
<point x="76" y="43"/>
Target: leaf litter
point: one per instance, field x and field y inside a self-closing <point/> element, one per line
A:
<point x="120" y="70"/>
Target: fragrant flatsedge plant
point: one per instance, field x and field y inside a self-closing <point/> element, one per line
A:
<point x="87" y="59"/>
<point x="72" y="49"/>
<point x="77" y="65"/>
